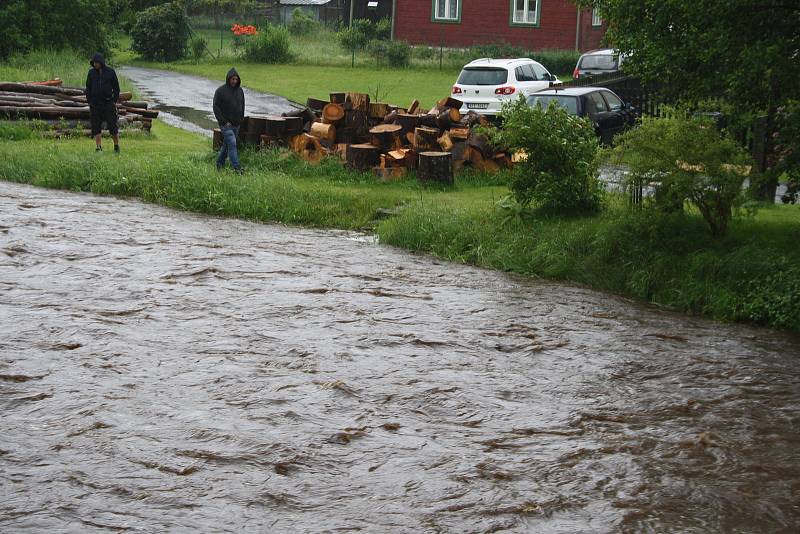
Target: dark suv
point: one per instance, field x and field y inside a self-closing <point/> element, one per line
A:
<point x="608" y="113"/>
<point x="598" y="62"/>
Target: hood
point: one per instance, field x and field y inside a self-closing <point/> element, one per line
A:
<point x="232" y="73"/>
<point x="98" y="58"/>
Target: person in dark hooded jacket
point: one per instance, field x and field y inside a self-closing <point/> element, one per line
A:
<point x="102" y="93"/>
<point x="229" y="112"/>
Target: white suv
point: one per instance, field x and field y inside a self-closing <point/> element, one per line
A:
<point x="485" y="84"/>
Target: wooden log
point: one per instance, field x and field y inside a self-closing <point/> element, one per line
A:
<point x="480" y="143"/>
<point x="326" y="132"/>
<point x="359" y="101"/>
<point x="408" y="121"/>
<point x="256" y="125"/>
<point x="340" y="149"/>
<point x="410" y="138"/>
<point x="315" y="103"/>
<point x="412" y="109"/>
<point x="390" y="118"/>
<point x="425" y="139"/>
<point x="445" y="142"/>
<point x="447" y="117"/>
<point x="332" y="113"/>
<point x="362" y="156"/>
<point x="42" y="89"/>
<point x="398" y="155"/>
<point x="378" y="110"/>
<point x="435" y="167"/>
<point x="449" y="102"/>
<point x="293" y="126"/>
<point x="428" y="120"/>
<point x="250" y="139"/>
<point x="307" y="116"/>
<point x="150" y="113"/>
<point x="307" y="147"/>
<point x="358" y="121"/>
<point x="137" y="104"/>
<point x="50" y="112"/>
<point x="268" y="141"/>
<point x="338" y="98"/>
<point x="459" y="151"/>
<point x="346" y="136"/>
<point x="386" y="136"/>
<point x="123" y="96"/>
<point x="412" y="159"/>
<point x="276" y="127"/>
<point x="459" y="132"/>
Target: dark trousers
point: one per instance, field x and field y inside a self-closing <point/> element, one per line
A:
<point x="103" y="112"/>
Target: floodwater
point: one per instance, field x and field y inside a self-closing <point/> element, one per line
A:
<point x="169" y="372"/>
<point x="186" y="101"/>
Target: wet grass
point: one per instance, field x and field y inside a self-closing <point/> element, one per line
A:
<point x="751" y="275"/>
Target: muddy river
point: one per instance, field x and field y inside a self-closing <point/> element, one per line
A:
<point x="169" y="372"/>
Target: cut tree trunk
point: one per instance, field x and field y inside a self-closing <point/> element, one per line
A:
<point x="275" y="127"/>
<point x="378" y="110"/>
<point x="408" y="121"/>
<point x="435" y="167"/>
<point x="449" y="102"/>
<point x="359" y="122"/>
<point x="315" y="103"/>
<point x="425" y="139"/>
<point x="386" y="136"/>
<point x="332" y="113"/>
<point x="447" y="118"/>
<point x="294" y="125"/>
<point x="359" y="101"/>
<point x="445" y="142"/>
<point x="307" y="147"/>
<point x="362" y="157"/>
<point x="412" y="109"/>
<point x="326" y="132"/>
<point x="338" y="98"/>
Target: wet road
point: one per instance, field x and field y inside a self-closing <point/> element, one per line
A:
<point x="186" y="101"/>
<point x="169" y="372"/>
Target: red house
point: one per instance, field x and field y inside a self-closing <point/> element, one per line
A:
<point x="532" y="24"/>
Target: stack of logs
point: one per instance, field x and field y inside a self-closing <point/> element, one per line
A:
<point x="381" y="137"/>
<point x="65" y="109"/>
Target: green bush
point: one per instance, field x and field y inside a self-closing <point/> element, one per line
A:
<point x="377" y="50"/>
<point x="556" y="61"/>
<point x="383" y="29"/>
<point x="161" y="33"/>
<point x="198" y="46"/>
<point x="689" y="160"/>
<point x="423" y="52"/>
<point x="352" y="39"/>
<point x="271" y="45"/>
<point x="81" y="25"/>
<point x="365" y="27"/>
<point x="302" y="23"/>
<point x="560" y="172"/>
<point x="398" y="53"/>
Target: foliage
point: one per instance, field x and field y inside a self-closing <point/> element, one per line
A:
<point x="560" y="172"/>
<point x="81" y="25"/>
<point x="787" y="150"/>
<point x="742" y="50"/>
<point x="561" y="61"/>
<point x="198" y="46"/>
<point x="365" y="27"/>
<point x="423" y="52"/>
<point x="161" y="32"/>
<point x="271" y="45"/>
<point x="303" y="22"/>
<point x="398" y="54"/>
<point x="688" y="159"/>
<point x="352" y="39"/>
<point x="383" y="29"/>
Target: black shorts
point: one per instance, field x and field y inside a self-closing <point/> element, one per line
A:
<point x="104" y="112"/>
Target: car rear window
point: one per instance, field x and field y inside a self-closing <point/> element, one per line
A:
<point x="598" y="62"/>
<point x="570" y="103"/>
<point x="483" y="76"/>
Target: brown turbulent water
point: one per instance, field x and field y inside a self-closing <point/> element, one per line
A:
<point x="162" y="371"/>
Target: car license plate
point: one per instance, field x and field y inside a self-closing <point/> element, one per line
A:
<point x="477" y="106"/>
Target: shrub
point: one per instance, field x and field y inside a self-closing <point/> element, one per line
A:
<point x="271" y="45"/>
<point x="352" y="39"/>
<point x="383" y="29"/>
<point x="687" y="158"/>
<point x="560" y="173"/>
<point x="377" y="50"/>
<point x="423" y="52"/>
<point x="198" y="47"/>
<point x="556" y="61"/>
<point x="302" y="23"/>
<point x="365" y="27"/>
<point x="161" y="33"/>
<point x="398" y="53"/>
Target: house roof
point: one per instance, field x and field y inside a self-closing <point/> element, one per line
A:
<point x="304" y="2"/>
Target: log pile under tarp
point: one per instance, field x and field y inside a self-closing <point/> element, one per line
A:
<point x="379" y="137"/>
<point x="65" y="109"/>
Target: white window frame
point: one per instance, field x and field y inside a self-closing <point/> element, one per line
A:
<point x="448" y="7"/>
<point x="530" y="5"/>
<point x="596" y="20"/>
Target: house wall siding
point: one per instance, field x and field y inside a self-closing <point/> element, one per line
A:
<point x="488" y="21"/>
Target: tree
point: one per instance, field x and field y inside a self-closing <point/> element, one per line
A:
<point x="745" y="51"/>
<point x="217" y="8"/>
<point x="161" y="32"/>
<point x="53" y="24"/>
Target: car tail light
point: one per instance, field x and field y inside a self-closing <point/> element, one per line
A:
<point x="457" y="90"/>
<point x="576" y="73"/>
<point x="505" y="90"/>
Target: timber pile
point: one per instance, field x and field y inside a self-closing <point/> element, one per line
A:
<point x="65" y="109"/>
<point x="379" y="137"/>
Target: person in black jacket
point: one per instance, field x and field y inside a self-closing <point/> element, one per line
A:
<point x="102" y="93"/>
<point x="229" y="112"/>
